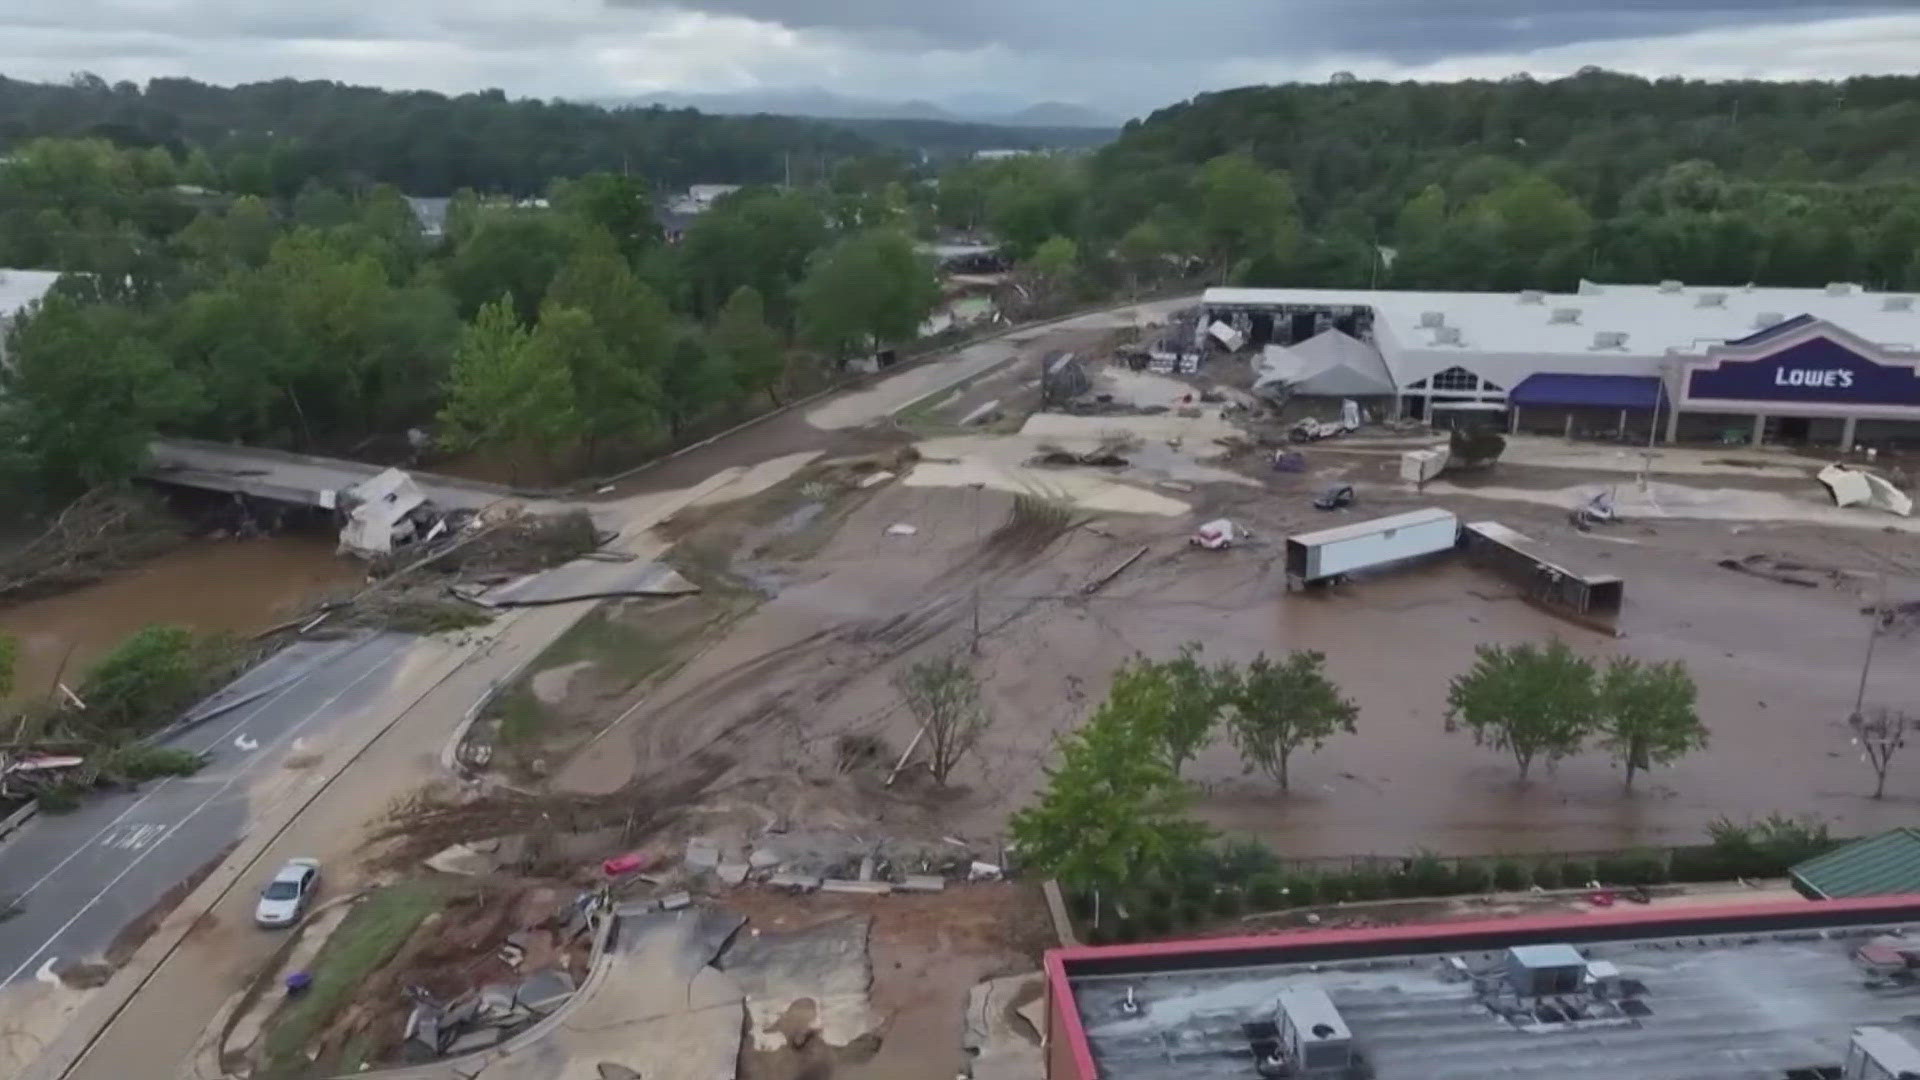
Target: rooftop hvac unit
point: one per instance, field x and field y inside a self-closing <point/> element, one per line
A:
<point x="1565" y="315"/>
<point x="1446" y="335"/>
<point x="1767" y="320"/>
<point x="1610" y="339"/>
<point x="1711" y="299"/>
<point x="1897" y="303"/>
<point x="1603" y="979"/>
<point x="1532" y="296"/>
<point x="1431" y="319"/>
<point x="1839" y="288"/>
<point x="1313" y="1036"/>
<point x="1671" y="286"/>
<point x="1540" y="970"/>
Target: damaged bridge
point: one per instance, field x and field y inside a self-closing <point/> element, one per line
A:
<point x="295" y="479"/>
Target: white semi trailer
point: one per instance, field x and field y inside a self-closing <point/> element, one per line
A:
<point x="1364" y="545"/>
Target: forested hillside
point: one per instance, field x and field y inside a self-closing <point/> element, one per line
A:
<point x="1491" y="184"/>
<point x="272" y="138"/>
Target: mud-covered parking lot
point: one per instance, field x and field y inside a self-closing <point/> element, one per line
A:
<point x="1777" y="664"/>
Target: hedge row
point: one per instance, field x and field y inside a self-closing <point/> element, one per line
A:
<point x="1210" y="885"/>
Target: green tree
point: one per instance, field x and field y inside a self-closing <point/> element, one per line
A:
<point x="1143" y="252"/>
<point x="1054" y="267"/>
<point x="1647" y="714"/>
<point x="1529" y="700"/>
<point x="613" y="398"/>
<point x="1422" y="217"/>
<point x="1113" y="810"/>
<point x="869" y="290"/>
<point x="501" y="391"/>
<point x="751" y="347"/>
<point x="697" y="383"/>
<point x="943" y="695"/>
<point x="82" y="394"/>
<point x="517" y="252"/>
<point x="621" y="384"/>
<point x="1281" y="707"/>
<point x="145" y="680"/>
<point x="1244" y="210"/>
<point x="1179" y="700"/>
<point x="616" y="203"/>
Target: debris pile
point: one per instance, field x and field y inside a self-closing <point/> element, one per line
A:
<point x="103" y="530"/>
<point x="1032" y="525"/>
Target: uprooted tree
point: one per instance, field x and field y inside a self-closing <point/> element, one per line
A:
<point x="1529" y="700"/>
<point x="1646" y="713"/>
<point x="1283" y="706"/>
<point x="943" y="694"/>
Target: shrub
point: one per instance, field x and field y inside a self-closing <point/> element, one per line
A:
<point x="1549" y="875"/>
<point x="1241" y="861"/>
<point x="1197" y="890"/>
<point x="135" y="762"/>
<point x="1701" y="863"/>
<point x="1425" y="875"/>
<point x="148" y="677"/>
<point x="1228" y="903"/>
<point x="1510" y="876"/>
<point x="1768" y="847"/>
<point x="1080" y="903"/>
<point x="1366" y="885"/>
<point x="1334" y="888"/>
<point x="1576" y="873"/>
<point x="1268" y="891"/>
<point x="1095" y="935"/>
<point x="1157" y="921"/>
<point x="60" y="798"/>
<point x="1302" y="891"/>
<point x="1123" y="931"/>
<point x="1193" y="913"/>
<point x="1472" y="877"/>
<point x="1639" y="868"/>
<point x="1477" y="447"/>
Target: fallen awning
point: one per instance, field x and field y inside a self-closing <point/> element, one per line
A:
<point x="1599" y="391"/>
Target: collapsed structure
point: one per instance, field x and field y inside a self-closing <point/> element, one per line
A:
<point x="1836" y="366"/>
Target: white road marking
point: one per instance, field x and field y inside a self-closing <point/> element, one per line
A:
<point x="244" y="744"/>
<point x="155" y="789"/>
<point x="208" y="801"/>
<point x="45" y="974"/>
<point x="134" y="837"/>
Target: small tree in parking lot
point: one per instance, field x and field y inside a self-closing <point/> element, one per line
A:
<point x="1646" y="714"/>
<point x="944" y="696"/>
<point x="1528" y="700"/>
<point x="1284" y="706"/>
<point x="1880" y="733"/>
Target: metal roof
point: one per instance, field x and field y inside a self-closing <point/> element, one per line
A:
<point x="1507" y="336"/>
<point x="1882" y="865"/>
<point x="1369" y="528"/>
<point x="1602" y="391"/>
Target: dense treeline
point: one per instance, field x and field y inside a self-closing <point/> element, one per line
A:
<point x="561" y="332"/>
<point x="1487" y="185"/>
<point x="271" y="139"/>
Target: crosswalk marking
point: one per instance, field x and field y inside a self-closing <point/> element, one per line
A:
<point x="133" y="837"/>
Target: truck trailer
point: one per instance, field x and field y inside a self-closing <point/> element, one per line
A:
<point x="1366" y="545"/>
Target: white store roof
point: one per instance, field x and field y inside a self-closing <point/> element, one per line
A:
<point x="18" y="288"/>
<point x="1505" y="337"/>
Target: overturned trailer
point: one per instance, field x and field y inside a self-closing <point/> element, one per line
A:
<point x="1594" y="599"/>
<point x="1367" y="545"/>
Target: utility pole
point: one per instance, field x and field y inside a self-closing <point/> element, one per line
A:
<point x="1873" y="638"/>
<point x="975" y="646"/>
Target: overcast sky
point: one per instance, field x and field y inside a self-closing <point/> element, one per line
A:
<point x="1122" y="56"/>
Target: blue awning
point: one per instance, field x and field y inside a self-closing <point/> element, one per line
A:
<point x="1600" y="391"/>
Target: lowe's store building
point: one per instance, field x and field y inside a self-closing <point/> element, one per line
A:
<point x="1838" y="366"/>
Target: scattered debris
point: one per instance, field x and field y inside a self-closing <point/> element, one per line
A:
<point x="984" y="871"/>
<point x="1765" y="566"/>
<point x="1100" y="582"/>
<point x="901" y="530"/>
<point x="1595" y="511"/>
<point x="585" y="579"/>
<point x="874" y="479"/>
<point x="1419" y="466"/>
<point x="1174" y="485"/>
<point x="865" y="888"/>
<point x="1854" y="487"/>
<point x="1289" y="461"/>
<point x="1215" y="535"/>
<point x="985" y="414"/>
<point x="383" y="513"/>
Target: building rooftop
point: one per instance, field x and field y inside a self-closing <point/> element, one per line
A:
<point x="18" y="288"/>
<point x="1768" y="992"/>
<point x="1503" y="336"/>
<point x="1883" y="865"/>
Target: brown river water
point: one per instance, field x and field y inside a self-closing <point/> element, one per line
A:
<point x="239" y="586"/>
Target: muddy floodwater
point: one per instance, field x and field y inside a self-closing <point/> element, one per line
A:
<point x="238" y="586"/>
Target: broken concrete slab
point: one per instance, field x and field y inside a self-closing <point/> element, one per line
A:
<point x="764" y="858"/>
<point x="609" y="1071"/>
<point x="827" y="964"/>
<point x="731" y="873"/>
<point x="922" y="883"/>
<point x="675" y="901"/>
<point x="544" y="991"/>
<point x="702" y="854"/>
<point x="797" y="882"/>
<point x="461" y="860"/>
<point x="864" y="888"/>
<point x="874" y="479"/>
<point x="589" y="579"/>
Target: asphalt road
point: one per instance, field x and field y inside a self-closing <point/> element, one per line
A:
<point x="79" y="879"/>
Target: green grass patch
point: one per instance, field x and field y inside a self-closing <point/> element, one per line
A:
<point x="521" y="716"/>
<point x="612" y="644"/>
<point x="366" y="939"/>
<point x="923" y="410"/>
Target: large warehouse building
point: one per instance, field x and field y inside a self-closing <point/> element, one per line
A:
<point x="1835" y="366"/>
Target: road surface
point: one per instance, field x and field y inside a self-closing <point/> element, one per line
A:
<point x="78" y="879"/>
<point x="302" y="479"/>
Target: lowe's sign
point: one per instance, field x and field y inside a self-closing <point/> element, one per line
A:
<point x="1819" y="371"/>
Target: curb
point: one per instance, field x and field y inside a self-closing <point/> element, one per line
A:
<point x="81" y="1036"/>
<point x="18" y="819"/>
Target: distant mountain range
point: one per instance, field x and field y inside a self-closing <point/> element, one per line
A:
<point x="826" y="105"/>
